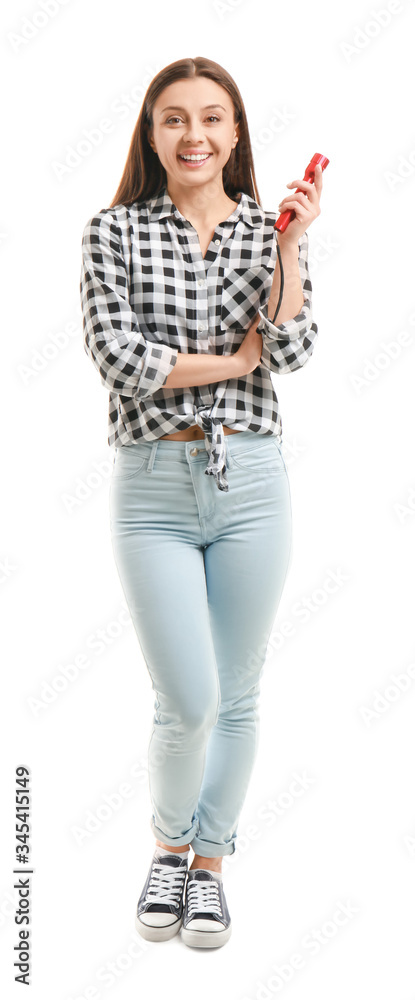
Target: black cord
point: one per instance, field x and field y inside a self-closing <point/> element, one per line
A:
<point x="281" y="283"/>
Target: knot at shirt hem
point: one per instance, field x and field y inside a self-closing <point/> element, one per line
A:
<point x="215" y="445"/>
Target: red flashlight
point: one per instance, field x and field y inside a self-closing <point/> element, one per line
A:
<point x="286" y="217"/>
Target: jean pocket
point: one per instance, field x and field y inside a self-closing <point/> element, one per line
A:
<point x="129" y="461"/>
<point x="264" y="457"/>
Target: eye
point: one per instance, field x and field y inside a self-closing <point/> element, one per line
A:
<point x="176" y="118"/>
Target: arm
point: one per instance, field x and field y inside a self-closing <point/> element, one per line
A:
<point x="201" y="369"/>
<point x="126" y="362"/>
<point x="289" y="344"/>
<point x="293" y="298"/>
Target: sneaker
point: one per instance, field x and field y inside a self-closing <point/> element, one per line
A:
<point x="206" y="920"/>
<point x="159" y="912"/>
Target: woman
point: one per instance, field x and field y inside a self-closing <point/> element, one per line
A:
<point x="176" y="277"/>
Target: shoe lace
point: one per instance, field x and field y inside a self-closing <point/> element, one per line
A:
<point x="166" y="884"/>
<point x="203" y="897"/>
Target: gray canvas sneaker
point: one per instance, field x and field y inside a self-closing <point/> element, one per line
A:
<point x="206" y="919"/>
<point x="159" y="911"/>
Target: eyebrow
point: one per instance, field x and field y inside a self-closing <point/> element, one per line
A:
<point x="175" y="107"/>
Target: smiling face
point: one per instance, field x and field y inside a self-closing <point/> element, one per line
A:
<point x="191" y="118"/>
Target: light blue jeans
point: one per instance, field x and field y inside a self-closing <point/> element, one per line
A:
<point x="202" y="571"/>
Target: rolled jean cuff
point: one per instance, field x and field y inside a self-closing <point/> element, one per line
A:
<point x="185" y="838"/>
<point x="206" y="849"/>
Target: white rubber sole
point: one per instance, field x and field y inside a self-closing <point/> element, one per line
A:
<point x="205" y="939"/>
<point x="157" y="933"/>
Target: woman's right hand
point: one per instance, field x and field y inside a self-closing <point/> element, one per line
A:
<point x="249" y="353"/>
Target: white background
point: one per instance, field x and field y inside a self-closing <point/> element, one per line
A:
<point x="345" y="82"/>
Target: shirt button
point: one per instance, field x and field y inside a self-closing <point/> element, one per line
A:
<point x="217" y="243"/>
<point x="201" y="327"/>
<point x="201" y="283"/>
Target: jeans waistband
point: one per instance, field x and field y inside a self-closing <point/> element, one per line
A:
<point x="181" y="449"/>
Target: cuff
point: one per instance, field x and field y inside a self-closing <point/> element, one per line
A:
<point x="292" y="329"/>
<point x="159" y="362"/>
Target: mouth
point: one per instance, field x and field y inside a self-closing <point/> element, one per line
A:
<point x="196" y="163"/>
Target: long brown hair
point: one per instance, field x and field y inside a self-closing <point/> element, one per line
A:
<point x="144" y="175"/>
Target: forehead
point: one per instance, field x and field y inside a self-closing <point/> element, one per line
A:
<point x="193" y="94"/>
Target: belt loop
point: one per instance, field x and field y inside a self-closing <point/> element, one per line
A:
<point x="152" y="457"/>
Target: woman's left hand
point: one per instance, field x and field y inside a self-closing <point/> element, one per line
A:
<point x="305" y="203"/>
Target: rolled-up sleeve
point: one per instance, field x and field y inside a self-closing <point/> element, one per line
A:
<point x="289" y="345"/>
<point x="126" y="362"/>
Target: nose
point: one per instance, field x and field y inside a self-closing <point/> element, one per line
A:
<point x="194" y="132"/>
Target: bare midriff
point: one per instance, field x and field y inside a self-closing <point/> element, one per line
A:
<point x="193" y="433"/>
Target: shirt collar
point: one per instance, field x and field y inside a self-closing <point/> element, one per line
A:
<point x="247" y="210"/>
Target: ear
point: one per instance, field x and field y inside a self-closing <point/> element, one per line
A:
<point x="150" y="139"/>
<point x="236" y="136"/>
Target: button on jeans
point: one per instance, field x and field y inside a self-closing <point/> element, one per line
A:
<point x="202" y="572"/>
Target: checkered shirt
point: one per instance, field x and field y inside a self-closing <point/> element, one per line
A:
<point x="147" y="294"/>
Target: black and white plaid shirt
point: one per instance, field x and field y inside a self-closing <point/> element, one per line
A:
<point x="147" y="293"/>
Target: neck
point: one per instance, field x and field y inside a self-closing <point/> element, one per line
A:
<point x="202" y="203"/>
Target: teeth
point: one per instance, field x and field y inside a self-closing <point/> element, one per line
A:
<point x="194" y="156"/>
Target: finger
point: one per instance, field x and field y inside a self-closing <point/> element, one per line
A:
<point x="302" y="214"/>
<point x="301" y="198"/>
<point x="318" y="181"/>
<point x="309" y="186"/>
<point x="298" y="208"/>
<point x="309" y="197"/>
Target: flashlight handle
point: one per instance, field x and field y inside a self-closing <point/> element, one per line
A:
<point x="286" y="217"/>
